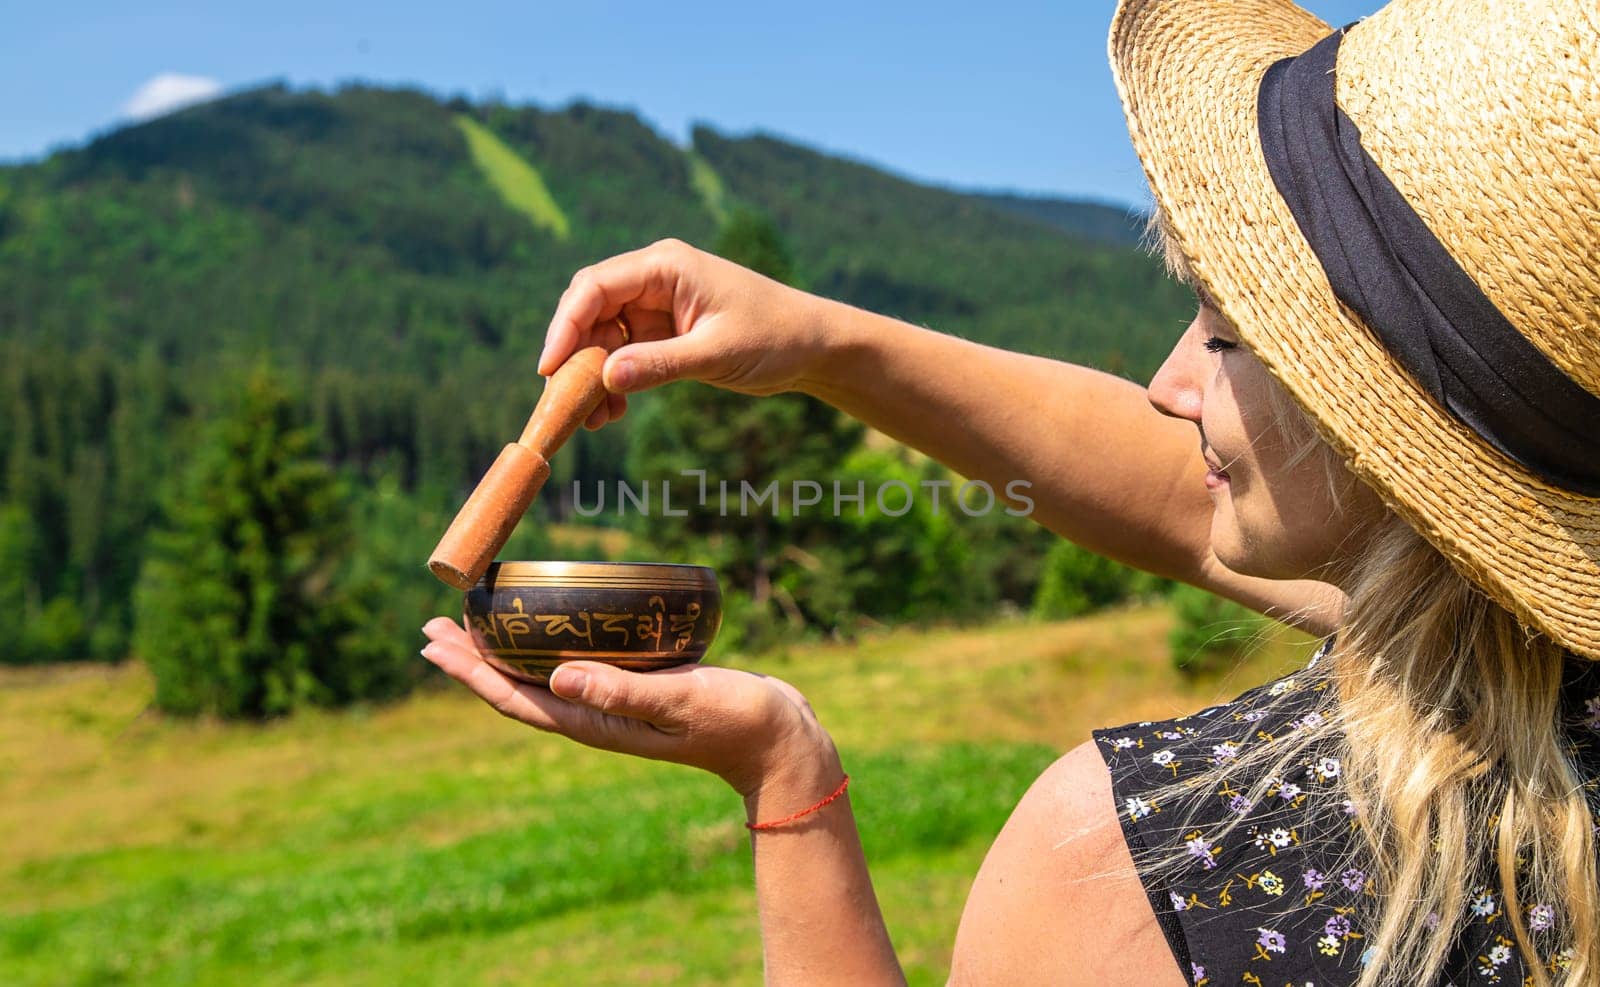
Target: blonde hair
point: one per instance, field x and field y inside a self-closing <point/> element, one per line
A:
<point x="1445" y="713"/>
<point x="1450" y="717"/>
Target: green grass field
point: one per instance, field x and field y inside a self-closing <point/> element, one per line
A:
<point x="434" y="842"/>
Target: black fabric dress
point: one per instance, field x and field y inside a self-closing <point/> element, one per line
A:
<point x="1286" y="897"/>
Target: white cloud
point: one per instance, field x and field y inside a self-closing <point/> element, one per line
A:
<point x="167" y="92"/>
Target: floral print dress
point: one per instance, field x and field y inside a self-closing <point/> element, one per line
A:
<point x="1285" y="896"/>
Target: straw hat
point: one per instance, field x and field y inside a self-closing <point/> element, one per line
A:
<point x="1485" y="115"/>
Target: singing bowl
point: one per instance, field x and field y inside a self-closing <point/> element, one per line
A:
<point x="528" y="617"/>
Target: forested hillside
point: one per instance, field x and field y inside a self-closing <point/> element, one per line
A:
<point x="392" y="258"/>
<point x="1111" y="224"/>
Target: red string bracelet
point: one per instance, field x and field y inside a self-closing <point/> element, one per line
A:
<point x="786" y="820"/>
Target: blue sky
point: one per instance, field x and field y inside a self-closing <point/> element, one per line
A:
<point x="1011" y="95"/>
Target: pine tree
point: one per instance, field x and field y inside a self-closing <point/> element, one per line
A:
<point x="239" y="611"/>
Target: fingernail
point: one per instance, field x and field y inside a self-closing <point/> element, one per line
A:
<point x="424" y="653"/>
<point x="568" y="682"/>
<point x="623" y="375"/>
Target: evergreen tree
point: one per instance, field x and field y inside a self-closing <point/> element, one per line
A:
<point x="239" y="611"/>
<point x="84" y="441"/>
<point x="753" y="240"/>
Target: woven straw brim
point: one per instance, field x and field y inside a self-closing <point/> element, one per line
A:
<point x="1188" y="73"/>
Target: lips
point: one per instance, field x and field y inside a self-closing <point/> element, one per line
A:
<point x="1216" y="479"/>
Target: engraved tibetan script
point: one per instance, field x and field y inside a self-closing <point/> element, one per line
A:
<point x="654" y="628"/>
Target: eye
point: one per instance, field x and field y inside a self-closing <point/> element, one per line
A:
<point x="1216" y="344"/>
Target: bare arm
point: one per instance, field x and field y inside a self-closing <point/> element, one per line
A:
<point x="1108" y="471"/>
<point x="1058" y="900"/>
<point x="820" y="922"/>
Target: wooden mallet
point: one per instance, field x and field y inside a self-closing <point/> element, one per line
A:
<point x="486" y="520"/>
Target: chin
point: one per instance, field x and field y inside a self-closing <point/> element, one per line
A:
<point x="1241" y="562"/>
<point x="1244" y="554"/>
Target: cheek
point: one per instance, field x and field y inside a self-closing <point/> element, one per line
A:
<point x="1304" y="517"/>
<point x="1228" y="426"/>
<point x="1258" y="425"/>
<point x="1281" y="518"/>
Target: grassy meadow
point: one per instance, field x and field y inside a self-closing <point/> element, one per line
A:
<point x="434" y="842"/>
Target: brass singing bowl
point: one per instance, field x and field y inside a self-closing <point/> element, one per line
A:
<point x="528" y="617"/>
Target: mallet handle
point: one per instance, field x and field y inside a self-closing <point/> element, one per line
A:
<point x="569" y="396"/>
<point x="485" y="521"/>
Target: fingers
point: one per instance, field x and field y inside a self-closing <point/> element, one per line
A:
<point x="645" y="278"/>
<point x="658" y="698"/>
<point x="452" y="651"/>
<point x="645" y="324"/>
<point x="718" y="719"/>
<point x="609" y="410"/>
<point x="444" y="628"/>
<point x="601" y="719"/>
<point x="616" y="405"/>
<point x="651" y="364"/>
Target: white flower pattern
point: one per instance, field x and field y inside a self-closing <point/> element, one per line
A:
<point x="1483" y="904"/>
<point x="1241" y="920"/>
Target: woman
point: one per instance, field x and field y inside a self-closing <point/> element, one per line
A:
<point x="1393" y="233"/>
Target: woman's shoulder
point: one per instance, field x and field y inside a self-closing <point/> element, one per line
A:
<point x="1060" y="887"/>
<point x="1058" y="893"/>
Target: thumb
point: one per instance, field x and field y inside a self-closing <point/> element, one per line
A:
<point x="657" y="698"/>
<point x="640" y="366"/>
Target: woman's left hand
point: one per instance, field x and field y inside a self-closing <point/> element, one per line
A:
<point x="740" y="726"/>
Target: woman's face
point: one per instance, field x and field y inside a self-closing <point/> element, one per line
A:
<point x="1273" y="516"/>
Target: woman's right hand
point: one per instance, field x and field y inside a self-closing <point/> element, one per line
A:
<point x="692" y="316"/>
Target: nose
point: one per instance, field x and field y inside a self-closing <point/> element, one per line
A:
<point x="1177" y="387"/>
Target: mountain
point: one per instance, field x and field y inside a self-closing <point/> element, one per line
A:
<point x="400" y="254"/>
<point x="364" y="228"/>
<point x="395" y="257"/>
